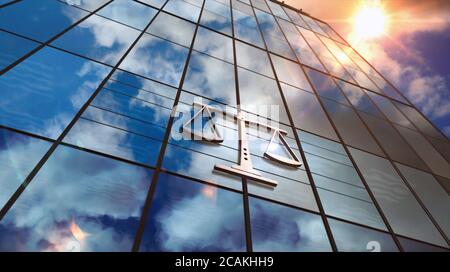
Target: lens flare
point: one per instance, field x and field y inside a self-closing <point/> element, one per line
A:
<point x="370" y="22"/>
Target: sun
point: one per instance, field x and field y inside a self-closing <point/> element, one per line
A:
<point x="370" y="21"/>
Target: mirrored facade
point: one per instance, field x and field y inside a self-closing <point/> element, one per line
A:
<point x="96" y="98"/>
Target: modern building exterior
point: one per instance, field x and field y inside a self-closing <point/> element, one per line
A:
<point x="96" y="98"/>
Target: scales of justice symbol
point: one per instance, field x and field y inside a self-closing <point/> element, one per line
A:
<point x="244" y="168"/>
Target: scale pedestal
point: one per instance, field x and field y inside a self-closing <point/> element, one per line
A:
<point x="235" y="170"/>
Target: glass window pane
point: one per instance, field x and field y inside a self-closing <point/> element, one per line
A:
<point x="426" y="151"/>
<point x="156" y="59"/>
<point x="390" y="111"/>
<point x="325" y="144"/>
<point x="260" y="95"/>
<point x="312" y="23"/>
<point x="220" y="8"/>
<point x="414" y="246"/>
<point x="418" y="120"/>
<point x="89" y="39"/>
<point x="296" y="18"/>
<point x="351" y="128"/>
<point x="214" y="44"/>
<point x="279" y="228"/>
<point x="431" y="193"/>
<point x="18" y="156"/>
<point x="130" y="13"/>
<point x="190" y="216"/>
<point x="253" y="59"/>
<point x="280" y="47"/>
<point x="172" y="28"/>
<point x="126" y="121"/>
<point x="246" y="28"/>
<point x="340" y="189"/>
<point x="307" y="113"/>
<point x="277" y="10"/>
<point x="290" y="73"/>
<point x="287" y="191"/>
<point x="352" y="238"/>
<point x="13" y="48"/>
<point x="261" y="4"/>
<point x="155" y="3"/>
<point x="325" y="86"/>
<point x="359" y="99"/>
<point x="77" y="202"/>
<point x="60" y="83"/>
<point x="400" y="208"/>
<point x="303" y="51"/>
<point x="216" y="21"/>
<point x="391" y="141"/>
<point x="183" y="9"/>
<point x="206" y="76"/>
<point x="49" y="18"/>
<point x="86" y="5"/>
<point x="442" y="146"/>
<point x="268" y="25"/>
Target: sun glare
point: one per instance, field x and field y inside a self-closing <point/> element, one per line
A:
<point x="370" y="22"/>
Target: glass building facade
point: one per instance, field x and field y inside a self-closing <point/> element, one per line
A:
<point x="93" y="92"/>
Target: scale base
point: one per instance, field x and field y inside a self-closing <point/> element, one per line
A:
<point x="249" y="175"/>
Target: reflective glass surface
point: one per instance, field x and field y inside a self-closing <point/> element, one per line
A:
<point x="391" y="141"/>
<point x="325" y="86"/>
<point x="211" y="77"/>
<point x="390" y="111"/>
<point x="86" y="5"/>
<point x="217" y="15"/>
<point x="426" y="151"/>
<point x="253" y="59"/>
<point x="415" y="246"/>
<point x="214" y="44"/>
<point x="246" y="28"/>
<point x="154" y="3"/>
<point x="18" y="156"/>
<point x="172" y="28"/>
<point x="339" y="141"/>
<point x="351" y="128"/>
<point x="77" y="202"/>
<point x="89" y="39"/>
<point x="431" y="193"/>
<point x="127" y="119"/>
<point x="279" y="228"/>
<point x="419" y="121"/>
<point x="277" y="10"/>
<point x="359" y="99"/>
<point x="352" y="238"/>
<point x="157" y="59"/>
<point x="340" y="189"/>
<point x="130" y="13"/>
<point x="307" y="113"/>
<point x="49" y="18"/>
<point x="262" y="91"/>
<point x="183" y="9"/>
<point x="400" y="208"/>
<point x="190" y="216"/>
<point x="61" y="83"/>
<point x="289" y="72"/>
<point x="12" y="48"/>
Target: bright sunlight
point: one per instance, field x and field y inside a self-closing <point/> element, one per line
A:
<point x="370" y="21"/>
